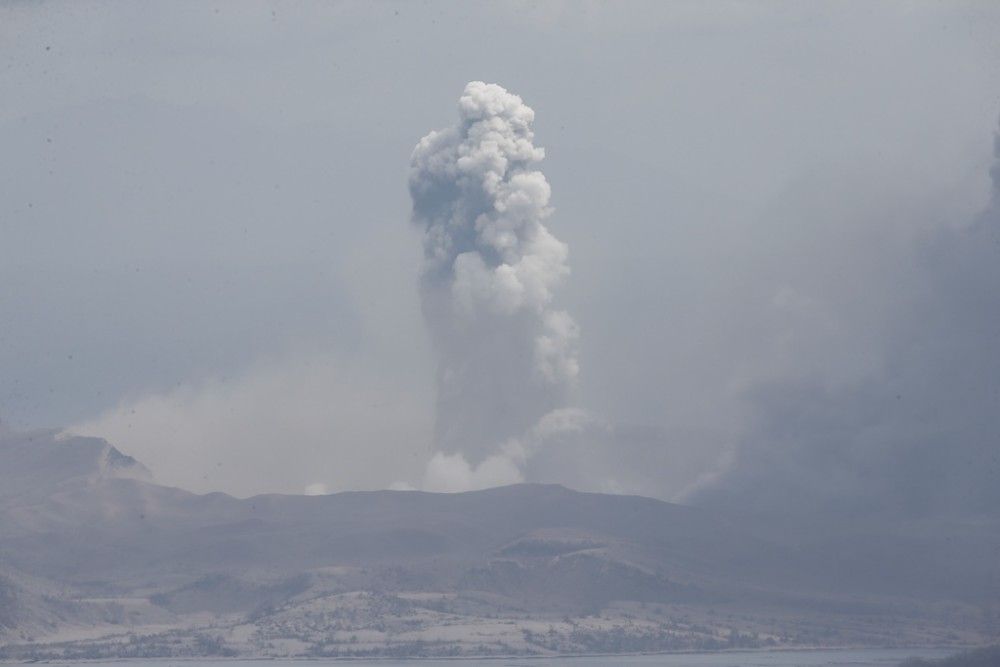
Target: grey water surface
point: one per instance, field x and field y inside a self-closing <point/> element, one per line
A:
<point x="805" y="658"/>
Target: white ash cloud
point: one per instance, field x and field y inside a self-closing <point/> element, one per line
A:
<point x="453" y="472"/>
<point x="309" y="423"/>
<point x="506" y="355"/>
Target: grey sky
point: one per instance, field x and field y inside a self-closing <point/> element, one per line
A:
<point x="206" y="253"/>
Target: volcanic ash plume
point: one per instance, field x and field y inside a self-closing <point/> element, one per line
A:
<point x="506" y="356"/>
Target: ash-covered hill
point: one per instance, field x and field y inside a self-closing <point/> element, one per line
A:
<point x="36" y="463"/>
<point x="90" y="549"/>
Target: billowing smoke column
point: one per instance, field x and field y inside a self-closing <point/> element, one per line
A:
<point x="506" y="356"/>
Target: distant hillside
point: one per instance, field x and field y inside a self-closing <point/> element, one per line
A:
<point x="92" y="549"/>
<point x="38" y="462"/>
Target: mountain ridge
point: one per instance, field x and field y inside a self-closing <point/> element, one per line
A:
<point x="94" y="555"/>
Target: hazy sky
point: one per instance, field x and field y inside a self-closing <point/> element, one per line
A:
<point x="207" y="256"/>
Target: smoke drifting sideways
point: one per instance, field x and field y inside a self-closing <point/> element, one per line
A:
<point x="921" y="434"/>
<point x="507" y="358"/>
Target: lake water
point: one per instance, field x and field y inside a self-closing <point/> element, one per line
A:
<point x="830" y="658"/>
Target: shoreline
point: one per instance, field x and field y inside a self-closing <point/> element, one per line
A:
<point x="483" y="658"/>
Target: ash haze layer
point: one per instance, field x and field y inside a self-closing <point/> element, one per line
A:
<point x="919" y="432"/>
